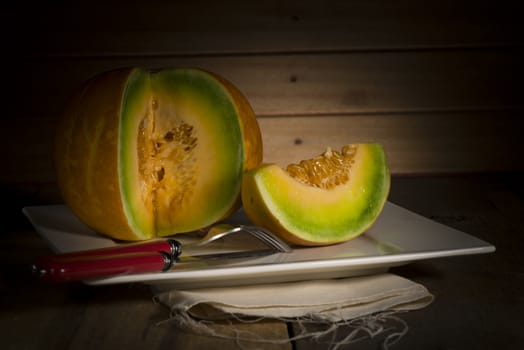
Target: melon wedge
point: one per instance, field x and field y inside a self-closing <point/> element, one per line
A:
<point x="325" y="200"/>
<point x="142" y="154"/>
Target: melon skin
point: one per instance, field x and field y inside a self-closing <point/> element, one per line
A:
<point x="86" y="154"/>
<point x="142" y="154"/>
<point x="311" y="216"/>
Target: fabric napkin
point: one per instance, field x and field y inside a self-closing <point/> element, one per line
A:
<point x="367" y="299"/>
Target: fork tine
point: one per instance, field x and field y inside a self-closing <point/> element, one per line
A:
<point x="280" y="245"/>
<point x="267" y="240"/>
<point x="264" y="238"/>
<point x="284" y="247"/>
<point x="269" y="237"/>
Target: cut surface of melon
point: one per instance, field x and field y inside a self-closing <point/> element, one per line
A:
<point x="179" y="151"/>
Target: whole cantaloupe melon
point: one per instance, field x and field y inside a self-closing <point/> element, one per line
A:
<point x="141" y="154"/>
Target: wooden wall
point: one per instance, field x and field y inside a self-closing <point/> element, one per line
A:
<point x="437" y="82"/>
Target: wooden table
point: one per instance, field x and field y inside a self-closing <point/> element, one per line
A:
<point x="479" y="301"/>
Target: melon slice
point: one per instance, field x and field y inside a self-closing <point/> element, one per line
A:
<point x="325" y="200"/>
<point x="143" y="154"/>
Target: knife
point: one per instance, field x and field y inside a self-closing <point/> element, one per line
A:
<point x="63" y="268"/>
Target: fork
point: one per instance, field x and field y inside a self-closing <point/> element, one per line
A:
<point x="174" y="248"/>
<point x="221" y="230"/>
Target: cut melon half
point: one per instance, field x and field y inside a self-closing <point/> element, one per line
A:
<point x="328" y="199"/>
<point x="144" y="154"/>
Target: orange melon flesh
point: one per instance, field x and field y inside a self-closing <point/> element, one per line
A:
<point x="329" y="199"/>
<point x="144" y="154"/>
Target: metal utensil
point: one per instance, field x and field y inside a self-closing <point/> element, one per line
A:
<point x="153" y="256"/>
<point x="174" y="247"/>
<point x="221" y="230"/>
<point x="66" y="270"/>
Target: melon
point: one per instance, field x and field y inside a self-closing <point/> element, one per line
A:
<point x="141" y="154"/>
<point x="328" y="199"/>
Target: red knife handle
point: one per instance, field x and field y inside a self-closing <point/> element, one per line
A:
<point x="170" y="246"/>
<point x="50" y="269"/>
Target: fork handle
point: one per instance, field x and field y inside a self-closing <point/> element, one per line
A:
<point x="50" y="269"/>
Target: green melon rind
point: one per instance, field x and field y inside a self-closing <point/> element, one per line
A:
<point x="327" y="215"/>
<point x="135" y="104"/>
<point x="225" y="157"/>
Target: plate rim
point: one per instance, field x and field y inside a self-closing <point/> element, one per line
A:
<point x="352" y="264"/>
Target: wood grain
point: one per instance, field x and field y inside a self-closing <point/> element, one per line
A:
<point x="419" y="143"/>
<point x="429" y="143"/>
<point x="437" y="82"/>
<point x="295" y="84"/>
<point x="208" y="27"/>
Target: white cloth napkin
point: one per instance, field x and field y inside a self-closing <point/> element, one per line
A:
<point x="364" y="303"/>
<point x="366" y="306"/>
<point x="333" y="299"/>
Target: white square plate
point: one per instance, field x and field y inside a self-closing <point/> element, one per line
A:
<point x="398" y="237"/>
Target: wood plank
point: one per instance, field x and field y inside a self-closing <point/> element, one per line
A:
<point x="110" y="324"/>
<point x="467" y="204"/>
<point x="174" y="28"/>
<point x="316" y="84"/>
<point x="419" y="143"/>
<point x="510" y="205"/>
<point x="332" y="99"/>
<point x="339" y="90"/>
